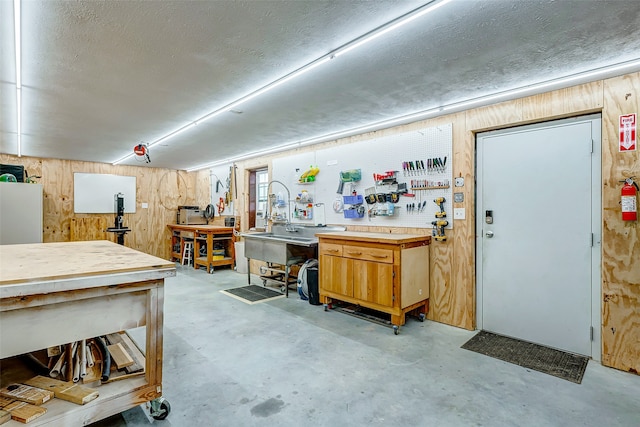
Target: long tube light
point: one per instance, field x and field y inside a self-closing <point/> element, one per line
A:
<point x="235" y="103"/>
<point x="17" y="37"/>
<point x="390" y="26"/>
<point x="584" y="77"/>
<point x="393" y="25"/>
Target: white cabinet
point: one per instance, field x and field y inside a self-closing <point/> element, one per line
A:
<point x="20" y="213"/>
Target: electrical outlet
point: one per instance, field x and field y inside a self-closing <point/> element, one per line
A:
<point x="459" y="213"/>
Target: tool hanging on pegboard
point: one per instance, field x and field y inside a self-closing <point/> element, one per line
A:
<point x="438" y="229"/>
<point x="440" y="223"/>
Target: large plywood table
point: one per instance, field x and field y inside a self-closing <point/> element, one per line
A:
<point x="57" y="293"/>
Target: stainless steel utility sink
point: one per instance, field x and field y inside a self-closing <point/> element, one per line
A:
<point x="284" y="242"/>
<point x="295" y="240"/>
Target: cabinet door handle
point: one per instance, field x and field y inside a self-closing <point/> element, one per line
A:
<point x="354" y="253"/>
<point x="332" y="250"/>
<point x="380" y="256"/>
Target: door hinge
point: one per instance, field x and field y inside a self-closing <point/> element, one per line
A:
<point x="393" y="274"/>
<point x="592" y="238"/>
<point x="591" y="332"/>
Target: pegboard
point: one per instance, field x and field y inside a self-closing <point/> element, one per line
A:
<point x="379" y="156"/>
<point x="288" y="171"/>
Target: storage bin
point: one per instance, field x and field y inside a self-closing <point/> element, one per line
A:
<point x="353" y="213"/>
<point x="353" y="200"/>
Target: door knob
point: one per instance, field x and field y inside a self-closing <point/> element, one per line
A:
<point x="489" y="234"/>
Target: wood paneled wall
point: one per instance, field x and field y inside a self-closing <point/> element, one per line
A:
<point x="162" y="189"/>
<point x="453" y="262"/>
<point x="620" y="239"/>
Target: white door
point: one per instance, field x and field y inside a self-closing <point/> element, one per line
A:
<point x="538" y="205"/>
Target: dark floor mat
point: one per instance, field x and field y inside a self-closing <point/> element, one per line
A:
<point x="252" y="294"/>
<point x="543" y="359"/>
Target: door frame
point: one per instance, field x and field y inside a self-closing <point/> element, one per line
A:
<point x="596" y="220"/>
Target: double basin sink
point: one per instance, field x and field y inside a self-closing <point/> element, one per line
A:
<point x="285" y="243"/>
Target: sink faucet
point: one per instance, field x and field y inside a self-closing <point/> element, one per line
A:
<point x="288" y="225"/>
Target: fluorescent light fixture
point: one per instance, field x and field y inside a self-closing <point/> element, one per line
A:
<point x="234" y="104"/>
<point x="390" y="26"/>
<point x="266" y="88"/>
<point x="17" y="37"/>
<point x="393" y="25"/>
<point x="578" y="78"/>
<point x="273" y="85"/>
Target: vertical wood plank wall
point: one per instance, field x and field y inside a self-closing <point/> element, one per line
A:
<point x="162" y="189"/>
<point x="453" y="262"/>
<point x="621" y="240"/>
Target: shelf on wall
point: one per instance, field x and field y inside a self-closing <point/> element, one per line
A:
<point x="444" y="187"/>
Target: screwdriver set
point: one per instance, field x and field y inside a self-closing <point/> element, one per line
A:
<point x="422" y="167"/>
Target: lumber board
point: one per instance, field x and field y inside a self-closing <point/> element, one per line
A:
<point x="131" y="348"/>
<point x="4" y="416"/>
<point x="21" y="411"/>
<point x="69" y="391"/>
<point x="26" y="393"/>
<point x="119" y="357"/>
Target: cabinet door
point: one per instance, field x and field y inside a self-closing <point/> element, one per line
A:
<point x="336" y="275"/>
<point x="373" y="282"/>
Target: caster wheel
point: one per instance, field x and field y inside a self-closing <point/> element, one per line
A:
<point x="421" y="317"/>
<point x="211" y="271"/>
<point x="161" y="410"/>
<point x="282" y="289"/>
<point x="326" y="307"/>
<point x="264" y="282"/>
<point x="396" y="330"/>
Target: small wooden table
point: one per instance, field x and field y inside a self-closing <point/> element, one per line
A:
<point x="57" y="293"/>
<point x="205" y="237"/>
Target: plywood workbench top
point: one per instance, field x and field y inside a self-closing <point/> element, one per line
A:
<point x="363" y="236"/>
<point x="39" y="262"/>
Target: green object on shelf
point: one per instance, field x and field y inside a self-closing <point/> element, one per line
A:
<point x="7" y="177"/>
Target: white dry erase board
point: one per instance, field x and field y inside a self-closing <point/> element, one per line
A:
<point x="95" y="193"/>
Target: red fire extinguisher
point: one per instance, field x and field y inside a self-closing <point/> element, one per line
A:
<point x="629" y="200"/>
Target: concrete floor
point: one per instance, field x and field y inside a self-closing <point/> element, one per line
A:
<point x="288" y="363"/>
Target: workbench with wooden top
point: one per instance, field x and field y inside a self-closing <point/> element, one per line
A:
<point x="204" y="237"/>
<point x="385" y="272"/>
<point x="57" y="293"/>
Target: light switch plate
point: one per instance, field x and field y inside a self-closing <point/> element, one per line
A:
<point x="145" y="205"/>
<point x="459" y="213"/>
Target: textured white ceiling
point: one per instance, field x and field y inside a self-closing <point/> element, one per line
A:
<point x="100" y="77"/>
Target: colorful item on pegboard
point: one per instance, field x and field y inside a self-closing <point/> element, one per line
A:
<point x="309" y="175"/>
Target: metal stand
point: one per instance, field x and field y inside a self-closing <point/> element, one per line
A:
<point x="118" y="227"/>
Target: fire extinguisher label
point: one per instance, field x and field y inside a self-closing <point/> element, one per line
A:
<point x="628" y="204"/>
